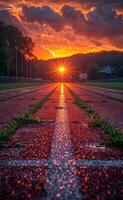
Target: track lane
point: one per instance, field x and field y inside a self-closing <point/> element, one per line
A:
<point x="108" y="93"/>
<point x="7" y="95"/>
<point x="109" y="109"/>
<point x="64" y="146"/>
<point x="12" y="108"/>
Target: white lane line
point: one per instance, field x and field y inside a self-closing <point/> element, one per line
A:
<point x="99" y="163"/>
<point x="25" y="163"/>
<point x="78" y="163"/>
<point x="62" y="182"/>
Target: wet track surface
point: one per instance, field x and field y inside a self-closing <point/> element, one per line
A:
<point x="103" y="91"/>
<point x="63" y="157"/>
<point x="109" y="109"/>
<point x="13" y="93"/>
<point x="11" y="108"/>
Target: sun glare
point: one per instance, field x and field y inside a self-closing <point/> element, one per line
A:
<point x="62" y="69"/>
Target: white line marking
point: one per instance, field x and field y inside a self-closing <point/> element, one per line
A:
<point x="62" y="183"/>
<point x="77" y="163"/>
<point x="25" y="163"/>
<point x="99" y="163"/>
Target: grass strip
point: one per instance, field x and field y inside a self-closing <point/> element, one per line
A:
<point x="110" y="85"/>
<point x="115" y="134"/>
<point x="7" y="86"/>
<point x="25" y="118"/>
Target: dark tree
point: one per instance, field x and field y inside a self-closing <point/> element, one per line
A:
<point x="13" y="45"/>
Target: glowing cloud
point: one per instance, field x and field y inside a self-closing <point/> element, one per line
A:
<point x="66" y="27"/>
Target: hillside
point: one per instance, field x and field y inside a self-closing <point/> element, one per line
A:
<point x="89" y="63"/>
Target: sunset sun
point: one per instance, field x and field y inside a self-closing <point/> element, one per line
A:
<point x="62" y="69"/>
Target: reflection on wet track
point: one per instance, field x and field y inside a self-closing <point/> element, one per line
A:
<point x="62" y="156"/>
<point x="62" y="182"/>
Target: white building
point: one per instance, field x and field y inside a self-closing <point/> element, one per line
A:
<point x="106" y="70"/>
<point x="83" y="77"/>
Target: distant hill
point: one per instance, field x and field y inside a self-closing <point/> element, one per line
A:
<point x="90" y="63"/>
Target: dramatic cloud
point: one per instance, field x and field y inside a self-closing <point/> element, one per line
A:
<point x="74" y="17"/>
<point x="9" y="19"/>
<point x="43" y="15"/>
<point x="65" y="27"/>
<point x="102" y="22"/>
<point x="106" y="22"/>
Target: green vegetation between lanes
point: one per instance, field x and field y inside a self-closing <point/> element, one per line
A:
<point x="6" y="86"/>
<point x="19" y="121"/>
<point x="116" y="135"/>
<point x="111" y="85"/>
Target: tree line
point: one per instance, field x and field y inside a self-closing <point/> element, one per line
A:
<point x="16" y="53"/>
<point x="90" y="63"/>
<point x="17" y="59"/>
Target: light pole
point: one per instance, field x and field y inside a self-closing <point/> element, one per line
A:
<point x="8" y="67"/>
<point x="16" y="49"/>
<point x="22" y="68"/>
<point x="32" y="67"/>
<point x="27" y="72"/>
<point x="36" y="71"/>
<point x="22" y="59"/>
<point x="30" y="70"/>
<point x="8" y="74"/>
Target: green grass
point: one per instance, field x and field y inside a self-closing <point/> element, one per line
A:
<point x="19" y="121"/>
<point x="6" y="86"/>
<point x="116" y="136"/>
<point x="111" y="85"/>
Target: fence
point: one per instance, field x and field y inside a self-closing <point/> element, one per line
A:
<point x="13" y="79"/>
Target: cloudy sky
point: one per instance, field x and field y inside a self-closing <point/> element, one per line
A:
<point x="65" y="27"/>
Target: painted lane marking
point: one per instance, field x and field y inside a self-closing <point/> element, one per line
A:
<point x="78" y="163"/>
<point x="62" y="182"/>
<point x="25" y="163"/>
<point x="99" y="163"/>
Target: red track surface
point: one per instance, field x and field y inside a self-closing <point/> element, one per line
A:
<point x="14" y="107"/>
<point x="109" y="109"/>
<point x="25" y="182"/>
<point x="88" y="143"/>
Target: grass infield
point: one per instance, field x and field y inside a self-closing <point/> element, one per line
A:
<point x="111" y="85"/>
<point x="6" y="86"/>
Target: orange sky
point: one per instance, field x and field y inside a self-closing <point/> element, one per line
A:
<point x="91" y="31"/>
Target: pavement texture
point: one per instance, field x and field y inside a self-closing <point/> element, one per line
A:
<point x="18" y="105"/>
<point x="61" y="157"/>
<point x="108" y="109"/>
